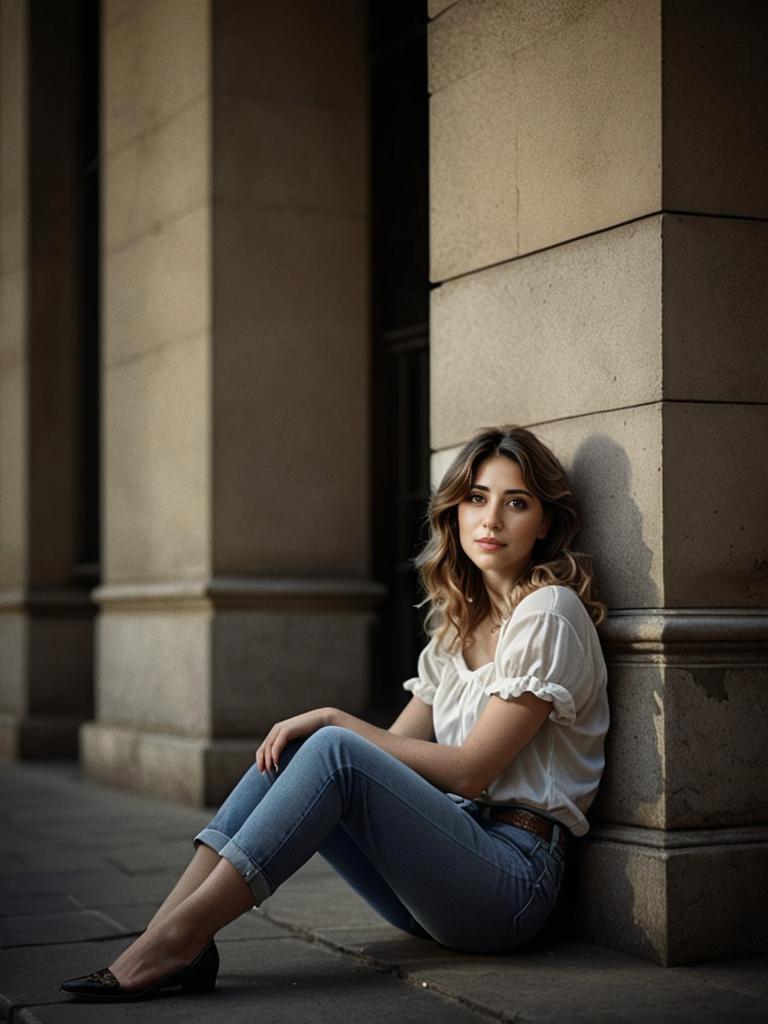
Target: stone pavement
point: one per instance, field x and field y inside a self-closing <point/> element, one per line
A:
<point x="82" y="868"/>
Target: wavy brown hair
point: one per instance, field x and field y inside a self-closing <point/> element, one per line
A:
<point x="453" y="585"/>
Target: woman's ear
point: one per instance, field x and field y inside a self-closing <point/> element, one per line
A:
<point x="544" y="528"/>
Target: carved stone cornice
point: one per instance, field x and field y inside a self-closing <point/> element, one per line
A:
<point x="57" y="601"/>
<point x="302" y="594"/>
<point x="686" y="631"/>
<point x="678" y="839"/>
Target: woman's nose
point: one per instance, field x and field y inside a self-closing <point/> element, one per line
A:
<point x="491" y="518"/>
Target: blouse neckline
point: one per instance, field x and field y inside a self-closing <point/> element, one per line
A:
<point x="463" y="661"/>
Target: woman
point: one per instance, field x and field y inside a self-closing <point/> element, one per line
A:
<point x="452" y="822"/>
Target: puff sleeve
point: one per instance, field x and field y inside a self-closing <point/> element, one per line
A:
<point x="430" y="669"/>
<point x="543" y="654"/>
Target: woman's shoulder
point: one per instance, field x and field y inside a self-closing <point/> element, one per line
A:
<point x="558" y="600"/>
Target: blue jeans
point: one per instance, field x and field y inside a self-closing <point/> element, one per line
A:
<point x="428" y="862"/>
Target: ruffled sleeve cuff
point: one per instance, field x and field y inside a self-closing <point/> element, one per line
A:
<point x="563" y="709"/>
<point x="420" y="688"/>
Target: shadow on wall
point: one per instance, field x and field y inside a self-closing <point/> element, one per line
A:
<point x="612" y="533"/>
<point x="599" y="900"/>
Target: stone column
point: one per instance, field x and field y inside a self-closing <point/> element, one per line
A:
<point x="236" y="586"/>
<point x="45" y="611"/>
<point x="599" y="237"/>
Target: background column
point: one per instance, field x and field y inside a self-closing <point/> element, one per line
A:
<point x="236" y="586"/>
<point x="46" y="617"/>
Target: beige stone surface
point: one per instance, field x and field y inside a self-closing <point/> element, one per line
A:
<point x="156" y="464"/>
<point x="60" y="662"/>
<point x="716" y="742"/>
<point x="589" y="153"/>
<point x="623" y="898"/>
<point x="635" y="784"/>
<point x="556" y="140"/>
<point x="158" y="178"/>
<point x="13" y="134"/>
<point x="13" y="660"/>
<point x="715" y="134"/>
<point x="614" y="460"/>
<point x="303" y="51"/>
<point x="139" y="48"/>
<point x="573" y="330"/>
<point x="13" y="316"/>
<point x="157" y="289"/>
<point x="727" y="884"/>
<point x="269" y="666"/>
<point x="477" y="34"/>
<point x="13" y="310"/>
<point x="200" y="772"/>
<point x="687" y="744"/>
<point x="474" y="197"/>
<point x="114" y="10"/>
<point x="715" y="309"/>
<point x="154" y="671"/>
<point x="275" y="153"/>
<point x="716" y="494"/>
<point x="291" y="310"/>
<point x="660" y="904"/>
<point x="436" y="6"/>
<point x="13" y="477"/>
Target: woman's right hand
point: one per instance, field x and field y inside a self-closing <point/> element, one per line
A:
<point x="268" y="754"/>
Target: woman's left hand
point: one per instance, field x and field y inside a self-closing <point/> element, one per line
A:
<point x="268" y="754"/>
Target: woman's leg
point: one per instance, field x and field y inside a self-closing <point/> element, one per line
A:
<point x="184" y="931"/>
<point x="199" y="868"/>
<point x="466" y="882"/>
<point x="339" y="849"/>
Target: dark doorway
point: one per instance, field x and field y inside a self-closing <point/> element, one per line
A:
<point x="400" y="331"/>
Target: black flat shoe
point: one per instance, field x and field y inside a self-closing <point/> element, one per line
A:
<point x="198" y="976"/>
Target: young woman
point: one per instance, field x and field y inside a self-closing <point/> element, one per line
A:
<point x="452" y="822"/>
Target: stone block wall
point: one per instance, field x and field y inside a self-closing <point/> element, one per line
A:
<point x="599" y="247"/>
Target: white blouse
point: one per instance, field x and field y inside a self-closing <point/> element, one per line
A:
<point x="549" y="647"/>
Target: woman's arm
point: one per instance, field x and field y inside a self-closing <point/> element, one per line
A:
<point x="414" y="720"/>
<point x="498" y="736"/>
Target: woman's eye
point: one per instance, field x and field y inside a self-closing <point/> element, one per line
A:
<point x="517" y="503"/>
<point x="475" y="498"/>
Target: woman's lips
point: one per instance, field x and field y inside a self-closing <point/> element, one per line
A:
<point x="489" y="544"/>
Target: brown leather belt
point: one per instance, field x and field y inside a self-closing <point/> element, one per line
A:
<point x="528" y="820"/>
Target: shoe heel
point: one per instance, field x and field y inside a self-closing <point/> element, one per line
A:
<point x="202" y="977"/>
<point x="199" y="984"/>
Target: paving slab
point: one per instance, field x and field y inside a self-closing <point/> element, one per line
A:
<point x="50" y="929"/>
<point x="46" y="903"/>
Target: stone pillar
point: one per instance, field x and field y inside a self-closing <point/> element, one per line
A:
<point x="46" y="617"/>
<point x="236" y="585"/>
<point x="599" y="238"/>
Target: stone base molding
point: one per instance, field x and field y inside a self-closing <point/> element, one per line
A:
<point x="46" y="671"/>
<point x="193" y="673"/>
<point x="673" y="897"/>
<point x="196" y="770"/>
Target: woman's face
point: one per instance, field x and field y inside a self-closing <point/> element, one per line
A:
<point x="500" y="521"/>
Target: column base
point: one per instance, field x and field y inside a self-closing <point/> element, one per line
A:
<point x="673" y="897"/>
<point x="196" y="771"/>
<point x="38" y="737"/>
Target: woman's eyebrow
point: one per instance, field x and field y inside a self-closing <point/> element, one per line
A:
<point x="512" y="490"/>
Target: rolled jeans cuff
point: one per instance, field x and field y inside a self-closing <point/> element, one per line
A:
<point x="240" y="861"/>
